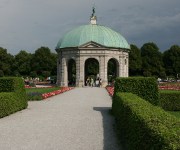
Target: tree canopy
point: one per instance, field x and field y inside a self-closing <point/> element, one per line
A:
<point x="6" y="62"/>
<point x="152" y="64"/>
<point x="171" y="59"/>
<point x="144" y="61"/>
<point x="135" y="61"/>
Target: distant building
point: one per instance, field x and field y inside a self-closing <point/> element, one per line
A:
<point x="91" y="43"/>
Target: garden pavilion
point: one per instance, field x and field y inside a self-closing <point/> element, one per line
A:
<point x="91" y="51"/>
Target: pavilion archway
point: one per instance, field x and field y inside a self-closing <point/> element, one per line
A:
<point x="113" y="70"/>
<point x="71" y="72"/>
<point x="91" y="69"/>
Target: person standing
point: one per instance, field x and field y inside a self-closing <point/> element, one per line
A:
<point x="97" y="82"/>
<point x="92" y="82"/>
<point x="100" y="82"/>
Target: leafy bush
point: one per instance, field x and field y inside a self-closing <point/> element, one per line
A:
<point x="170" y="100"/>
<point x="12" y="96"/>
<point x="142" y="125"/>
<point x="146" y="88"/>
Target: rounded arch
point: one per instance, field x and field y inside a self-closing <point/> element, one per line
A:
<point x="113" y="69"/>
<point x="71" y="72"/>
<point x="91" y="69"/>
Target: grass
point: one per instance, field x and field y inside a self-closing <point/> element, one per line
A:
<point x="168" y="91"/>
<point x="175" y="113"/>
<point x="34" y="94"/>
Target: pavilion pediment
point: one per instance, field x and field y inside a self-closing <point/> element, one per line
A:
<point x="91" y="45"/>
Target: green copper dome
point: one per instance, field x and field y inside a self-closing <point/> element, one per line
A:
<point x="95" y="33"/>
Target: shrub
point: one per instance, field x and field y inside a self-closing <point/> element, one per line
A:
<point x="12" y="96"/>
<point x="170" y="100"/>
<point x="146" y="88"/>
<point x="142" y="125"/>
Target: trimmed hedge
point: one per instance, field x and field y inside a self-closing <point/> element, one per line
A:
<point x="142" y="125"/>
<point x="170" y="100"/>
<point x="146" y="88"/>
<point x="12" y="96"/>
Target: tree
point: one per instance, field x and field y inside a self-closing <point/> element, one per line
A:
<point x="171" y="59"/>
<point x="1" y="73"/>
<point x="6" y="63"/>
<point x="135" y="61"/>
<point x="23" y="62"/>
<point x="152" y="64"/>
<point x="44" y="60"/>
<point x="54" y="57"/>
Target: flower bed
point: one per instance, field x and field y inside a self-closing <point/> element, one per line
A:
<point x="62" y="90"/>
<point x="27" y="86"/>
<point x="168" y="87"/>
<point x="110" y="90"/>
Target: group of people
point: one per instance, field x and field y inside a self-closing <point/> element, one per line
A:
<point x="90" y="82"/>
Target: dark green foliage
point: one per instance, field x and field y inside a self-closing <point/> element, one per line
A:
<point x="44" y="60"/>
<point x="175" y="113"/>
<point x="1" y="73"/>
<point x="6" y="62"/>
<point x="146" y="88"/>
<point x="143" y="126"/>
<point x="12" y="96"/>
<point x="152" y="64"/>
<point x="135" y="61"/>
<point x="171" y="60"/>
<point x="6" y="85"/>
<point x="23" y="62"/>
<point x="170" y="100"/>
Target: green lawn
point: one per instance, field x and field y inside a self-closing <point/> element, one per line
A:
<point x="175" y="113"/>
<point x="35" y="93"/>
<point x="168" y="91"/>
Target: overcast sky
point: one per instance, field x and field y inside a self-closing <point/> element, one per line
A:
<point x="30" y="24"/>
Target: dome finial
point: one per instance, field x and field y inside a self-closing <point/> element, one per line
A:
<point x="93" y="17"/>
<point x="93" y="10"/>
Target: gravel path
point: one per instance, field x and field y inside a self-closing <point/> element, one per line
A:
<point x="75" y="120"/>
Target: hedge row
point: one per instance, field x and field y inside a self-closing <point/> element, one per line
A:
<point x="12" y="96"/>
<point x="145" y="88"/>
<point x="6" y="85"/>
<point x="170" y="100"/>
<point x="142" y="125"/>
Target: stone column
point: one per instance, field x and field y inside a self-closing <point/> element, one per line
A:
<point x="64" y="73"/>
<point x="103" y="64"/>
<point x="127" y="67"/>
<point x="58" y="71"/>
<point x="121" y="66"/>
<point x="80" y="71"/>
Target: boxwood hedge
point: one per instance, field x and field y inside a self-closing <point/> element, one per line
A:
<point x="142" y="125"/>
<point x="170" y="100"/>
<point x="12" y="96"/>
<point x="146" y="88"/>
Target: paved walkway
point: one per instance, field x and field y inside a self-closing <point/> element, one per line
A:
<point x="75" y="120"/>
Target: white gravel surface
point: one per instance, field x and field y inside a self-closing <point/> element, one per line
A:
<point x="76" y="120"/>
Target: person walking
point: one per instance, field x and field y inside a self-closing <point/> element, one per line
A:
<point x="88" y="82"/>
